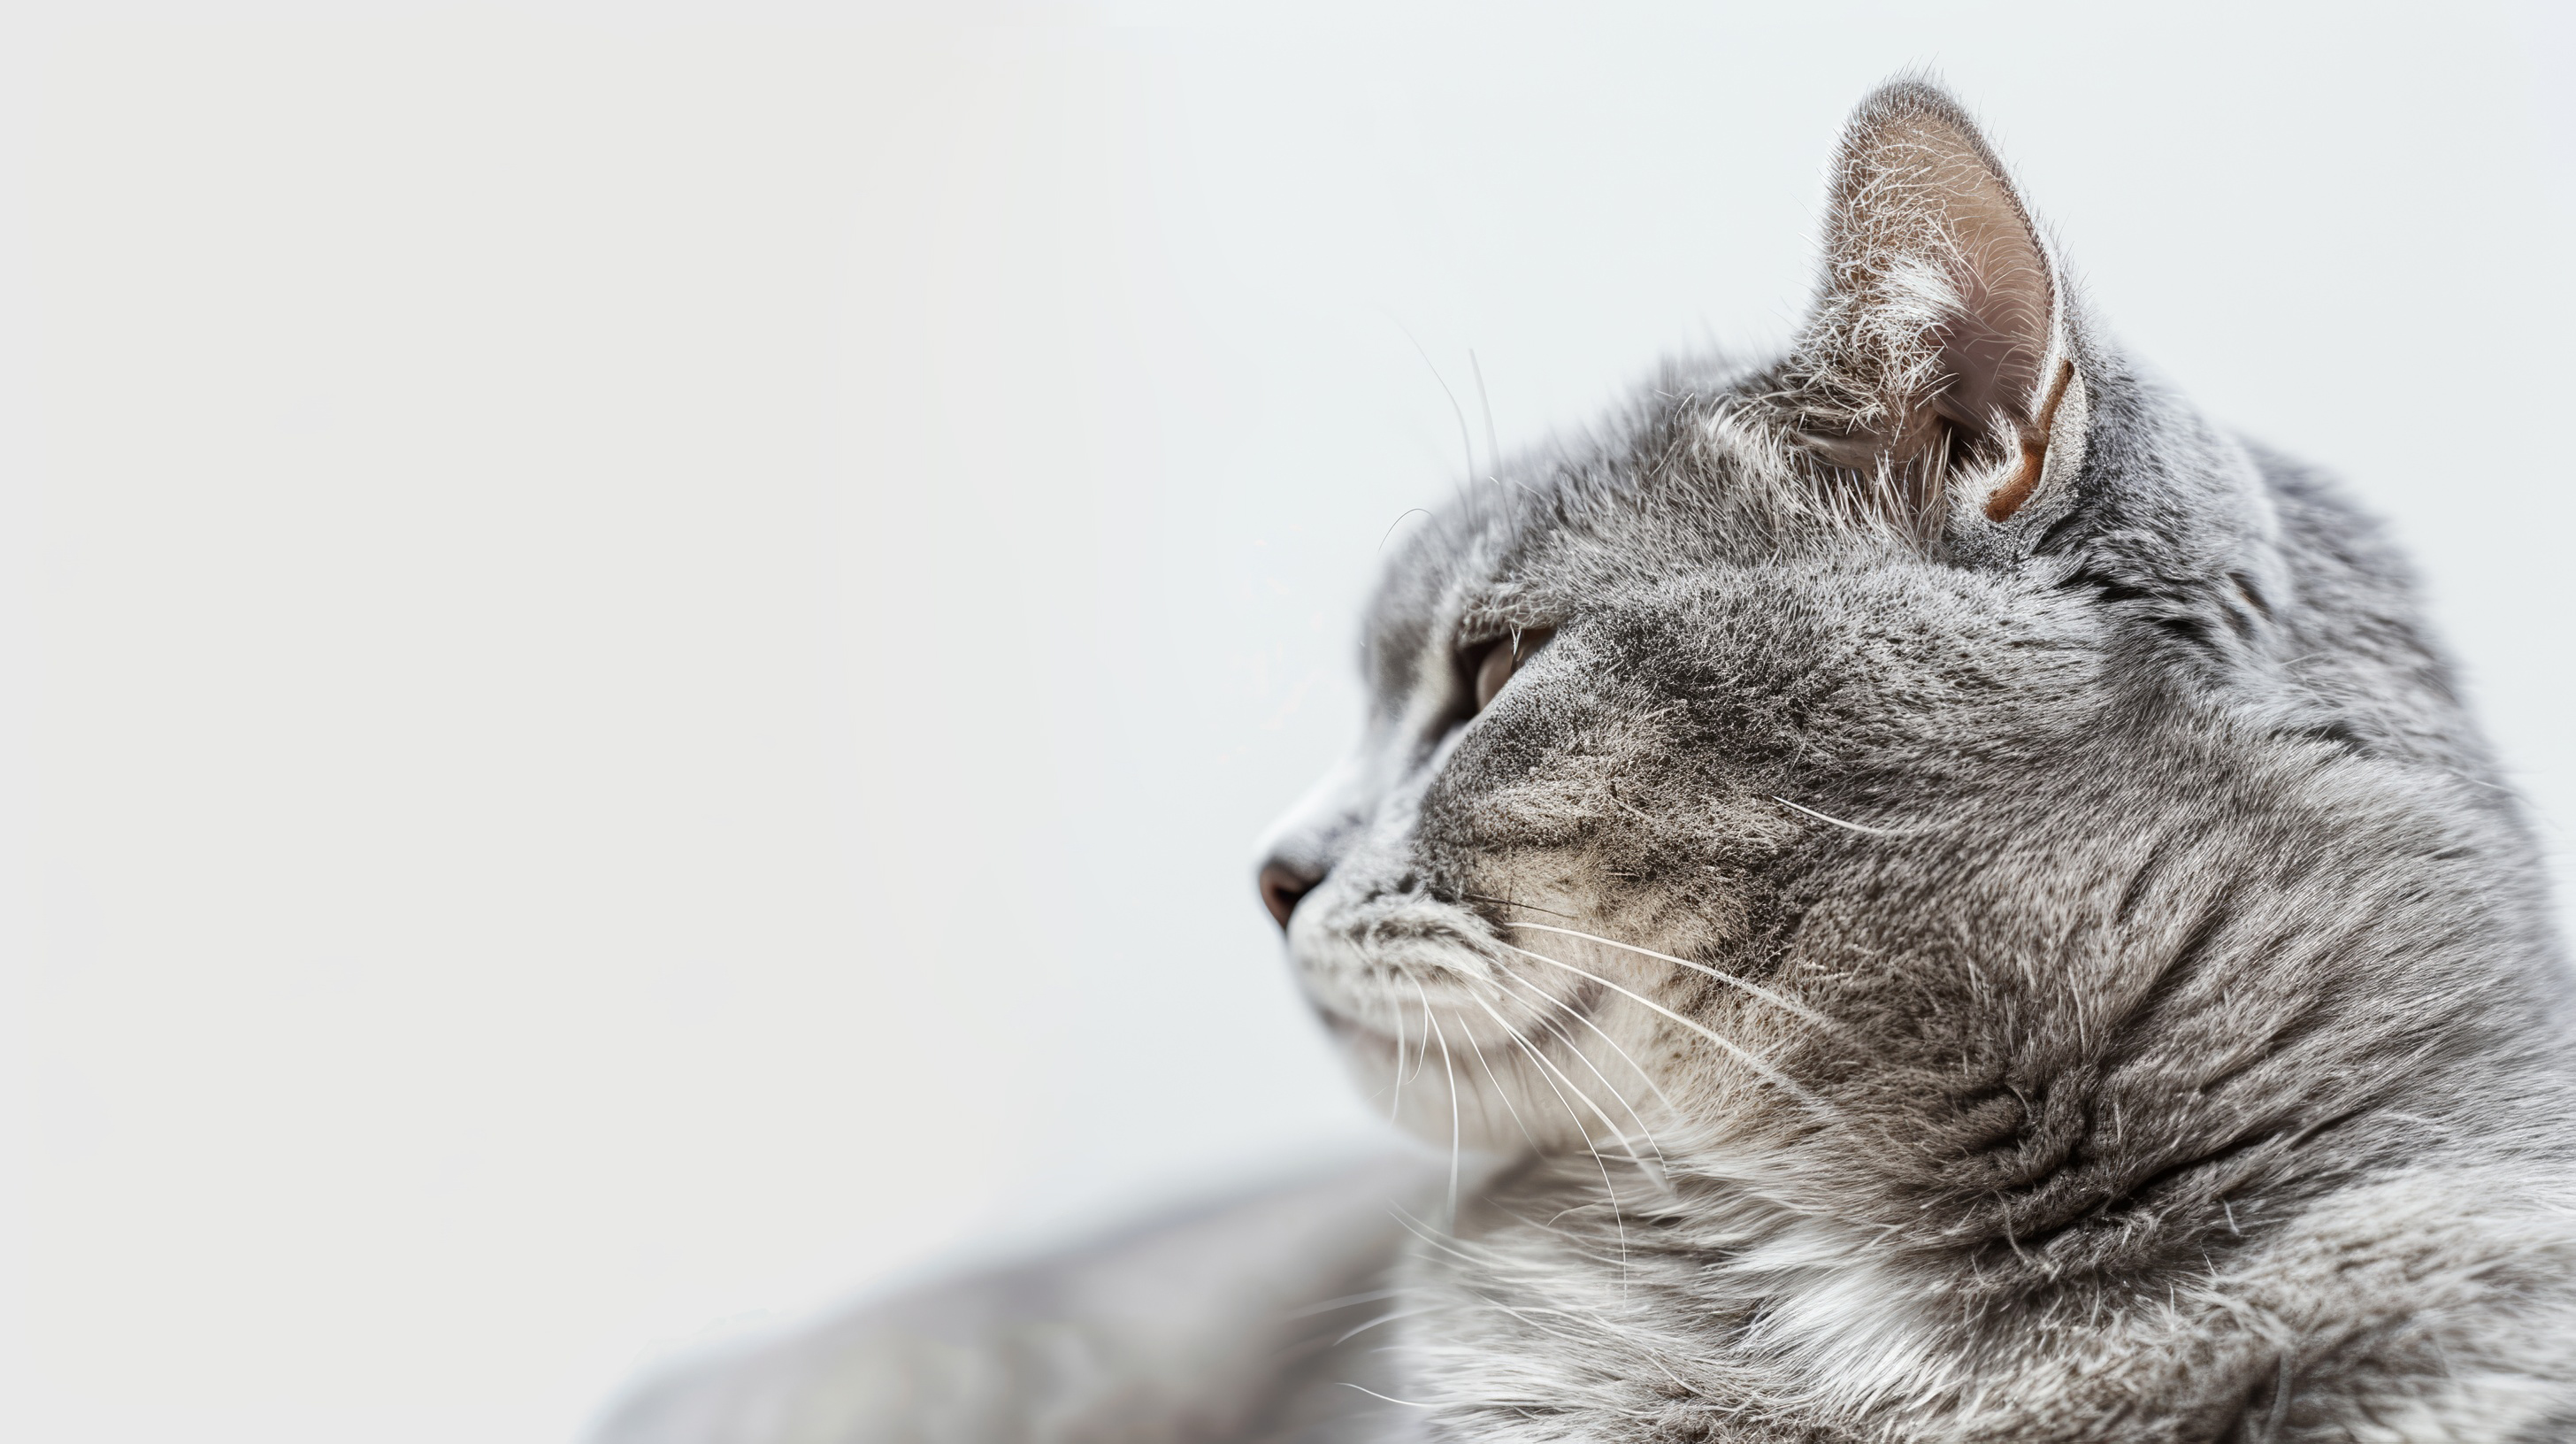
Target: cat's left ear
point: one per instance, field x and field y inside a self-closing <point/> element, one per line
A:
<point x="1939" y="362"/>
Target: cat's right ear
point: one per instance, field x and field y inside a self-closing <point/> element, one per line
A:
<point x="1938" y="359"/>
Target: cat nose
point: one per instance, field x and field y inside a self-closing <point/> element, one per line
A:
<point x="1282" y="885"/>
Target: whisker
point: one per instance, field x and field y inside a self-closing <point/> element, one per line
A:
<point x="1515" y="903"/>
<point x="1618" y="1219"/>
<point x="1455" y="409"/>
<point x="1451" y="1245"/>
<point x="1574" y="1048"/>
<point x="1747" y="1059"/>
<point x="1756" y="989"/>
<point x="1541" y="1059"/>
<point x="1389" y="1398"/>
<point x="1578" y="1015"/>
<point x="1451" y="1070"/>
<point x="1422" y="1048"/>
<point x="1499" y="1090"/>
<point x="1395" y="1107"/>
<point x="1388" y="1318"/>
<point x="1854" y="826"/>
<point x="1399" y="521"/>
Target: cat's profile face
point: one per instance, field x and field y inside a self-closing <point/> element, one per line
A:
<point x="1798" y="749"/>
<point x="1535" y="892"/>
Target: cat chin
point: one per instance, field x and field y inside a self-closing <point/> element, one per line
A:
<point x="1506" y="1103"/>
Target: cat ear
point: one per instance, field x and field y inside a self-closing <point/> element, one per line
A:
<point x="1938" y="360"/>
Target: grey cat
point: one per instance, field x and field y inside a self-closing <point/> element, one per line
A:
<point x="1956" y="902"/>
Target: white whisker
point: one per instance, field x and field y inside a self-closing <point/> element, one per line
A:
<point x="1615" y="1131"/>
<point x="1451" y="1244"/>
<point x="1395" y="1106"/>
<point x="1749" y="1060"/>
<point x="1499" y="1090"/>
<point x="1451" y="1070"/>
<point x="1577" y="1014"/>
<point x="1387" y="1318"/>
<point x="1853" y="826"/>
<point x="1618" y="1218"/>
<point x="1756" y="989"/>
<point x="1574" y="1048"/>
<point x="1374" y="1394"/>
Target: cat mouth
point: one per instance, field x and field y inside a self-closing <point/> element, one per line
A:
<point x="1391" y="970"/>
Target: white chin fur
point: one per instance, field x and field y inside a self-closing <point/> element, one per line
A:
<point x="1460" y="1050"/>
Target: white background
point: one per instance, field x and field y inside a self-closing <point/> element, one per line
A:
<point x="640" y="648"/>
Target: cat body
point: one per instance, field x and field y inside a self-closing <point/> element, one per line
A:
<point x="1223" y="1321"/>
<point x="1960" y="899"/>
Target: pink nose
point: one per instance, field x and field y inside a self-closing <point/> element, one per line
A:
<point x="1281" y="887"/>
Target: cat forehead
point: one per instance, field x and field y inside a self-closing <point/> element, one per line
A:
<point x="1681" y="490"/>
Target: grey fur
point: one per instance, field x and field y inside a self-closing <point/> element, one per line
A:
<point x="1229" y="1321"/>
<point x="1981" y="921"/>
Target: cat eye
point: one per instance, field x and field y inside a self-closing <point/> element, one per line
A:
<point x="1488" y="667"/>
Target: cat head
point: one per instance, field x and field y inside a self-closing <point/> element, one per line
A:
<point x="1845" y="738"/>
